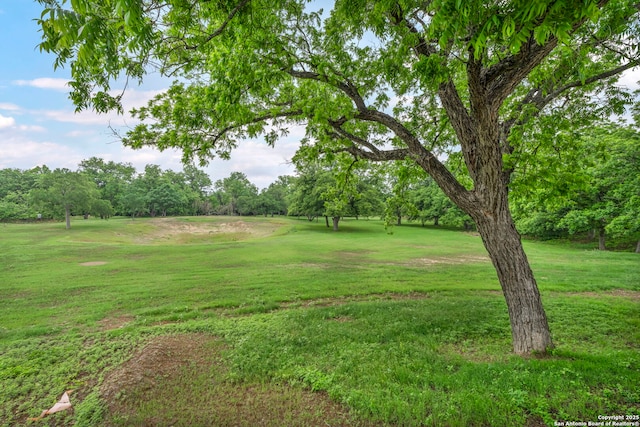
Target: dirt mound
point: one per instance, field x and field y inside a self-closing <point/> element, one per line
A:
<point x="180" y="380"/>
<point x="161" y="357"/>
<point x="182" y="230"/>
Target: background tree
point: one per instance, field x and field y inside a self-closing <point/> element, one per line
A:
<point x="307" y="187"/>
<point x="487" y="72"/>
<point x="102" y="208"/>
<point x="623" y="168"/>
<point x="237" y="195"/>
<point x="399" y="202"/>
<point x="200" y="185"/>
<point x="273" y="199"/>
<point x="596" y="190"/>
<point x="110" y="178"/>
<point x="133" y="198"/>
<point x="15" y="185"/>
<point x="368" y="195"/>
<point x="335" y="190"/>
<point x="148" y="180"/>
<point x="65" y="191"/>
<point x="431" y="204"/>
<point x="166" y="198"/>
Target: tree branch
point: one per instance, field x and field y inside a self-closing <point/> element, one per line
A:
<point x="502" y="78"/>
<point x="536" y="98"/>
<point x="340" y="132"/>
<point x="380" y="156"/>
<point x="347" y="88"/>
<point x="221" y="28"/>
<point x="425" y="158"/>
<point x="219" y="135"/>
<point x="422" y="48"/>
<point x="579" y="83"/>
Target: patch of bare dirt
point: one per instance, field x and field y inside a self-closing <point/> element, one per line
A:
<point x="463" y="259"/>
<point x="114" y="322"/>
<point x="181" y="380"/>
<point x="176" y="228"/>
<point x="92" y="263"/>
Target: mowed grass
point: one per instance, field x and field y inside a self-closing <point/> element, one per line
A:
<point x="408" y="328"/>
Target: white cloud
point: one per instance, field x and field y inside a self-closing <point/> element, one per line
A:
<point x="9" y="124"/>
<point x="131" y="99"/>
<point x="22" y="153"/>
<point x="6" y="106"/>
<point x="79" y="133"/>
<point x="6" y="122"/>
<point x="45" y="83"/>
<point x="260" y="163"/>
<point x="137" y="98"/>
<point x="168" y="159"/>
<point x="82" y="117"/>
<point x="31" y="128"/>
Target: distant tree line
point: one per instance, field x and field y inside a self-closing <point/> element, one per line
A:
<point x="106" y="188"/>
<point x="593" y="193"/>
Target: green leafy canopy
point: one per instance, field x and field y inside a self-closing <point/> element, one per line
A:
<point x="246" y="68"/>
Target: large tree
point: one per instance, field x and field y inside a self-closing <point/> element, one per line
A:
<point x="383" y="80"/>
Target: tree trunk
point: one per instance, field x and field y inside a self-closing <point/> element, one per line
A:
<point x="326" y="220"/>
<point x="336" y="219"/>
<point x="601" y="240"/>
<point x="67" y="216"/>
<point x="529" y="326"/>
<point x="638" y="247"/>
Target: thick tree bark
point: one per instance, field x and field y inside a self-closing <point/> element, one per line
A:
<point x="67" y="216"/>
<point x="483" y="144"/>
<point x="336" y="220"/>
<point x="529" y="326"/>
<point x="601" y="240"/>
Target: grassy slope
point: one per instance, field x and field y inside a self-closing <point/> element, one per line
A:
<point x="405" y="328"/>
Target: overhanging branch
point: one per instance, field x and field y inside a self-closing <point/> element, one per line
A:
<point x="537" y="99"/>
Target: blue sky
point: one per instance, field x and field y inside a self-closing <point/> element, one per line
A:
<point x="38" y="124"/>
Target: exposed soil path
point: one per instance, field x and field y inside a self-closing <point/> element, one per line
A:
<point x="180" y="380"/>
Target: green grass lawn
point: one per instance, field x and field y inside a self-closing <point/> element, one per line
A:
<point x="408" y="328"/>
